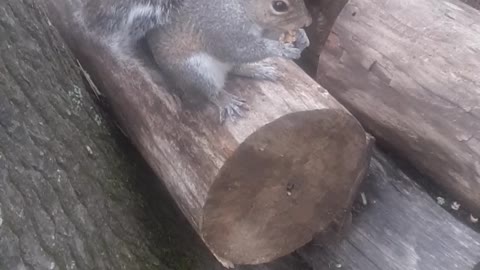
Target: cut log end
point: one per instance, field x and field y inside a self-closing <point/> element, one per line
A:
<point x="287" y="181"/>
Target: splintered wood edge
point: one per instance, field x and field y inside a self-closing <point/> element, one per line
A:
<point x="286" y="182"/>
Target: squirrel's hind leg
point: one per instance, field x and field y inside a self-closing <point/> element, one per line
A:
<point x="206" y="74"/>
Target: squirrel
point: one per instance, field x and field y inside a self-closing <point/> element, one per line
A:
<point x="199" y="42"/>
<point x="206" y="40"/>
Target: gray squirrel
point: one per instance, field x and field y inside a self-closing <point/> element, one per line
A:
<point x="206" y="40"/>
<point x="199" y="42"/>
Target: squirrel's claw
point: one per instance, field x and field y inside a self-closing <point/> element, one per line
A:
<point x="230" y="107"/>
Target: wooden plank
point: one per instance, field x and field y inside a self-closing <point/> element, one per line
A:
<point x="401" y="228"/>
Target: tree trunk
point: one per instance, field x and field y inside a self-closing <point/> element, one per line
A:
<point x="409" y="71"/>
<point x="70" y="197"/>
<point x="254" y="190"/>
<point x="473" y="3"/>
<point x="324" y="14"/>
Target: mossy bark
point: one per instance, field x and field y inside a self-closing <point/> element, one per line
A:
<point x="71" y="195"/>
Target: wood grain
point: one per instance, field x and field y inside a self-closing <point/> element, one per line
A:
<point x="408" y="70"/>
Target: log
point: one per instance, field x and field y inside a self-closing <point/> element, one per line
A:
<point x="408" y="70"/>
<point x="253" y="190"/>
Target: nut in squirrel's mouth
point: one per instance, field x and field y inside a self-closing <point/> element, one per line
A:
<point x="288" y="36"/>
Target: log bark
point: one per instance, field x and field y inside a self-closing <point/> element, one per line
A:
<point x="254" y="190"/>
<point x="71" y="197"/>
<point x="409" y="71"/>
<point x="324" y="14"/>
<point x="473" y="3"/>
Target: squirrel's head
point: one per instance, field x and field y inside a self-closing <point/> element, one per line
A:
<point x="285" y="15"/>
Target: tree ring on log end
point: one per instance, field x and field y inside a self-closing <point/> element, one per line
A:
<point x="286" y="182"/>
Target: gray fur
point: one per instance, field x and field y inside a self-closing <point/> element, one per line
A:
<point x="113" y="20"/>
<point x="231" y="32"/>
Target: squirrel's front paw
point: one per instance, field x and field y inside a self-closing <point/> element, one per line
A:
<point x="258" y="70"/>
<point x="302" y="40"/>
<point x="291" y="52"/>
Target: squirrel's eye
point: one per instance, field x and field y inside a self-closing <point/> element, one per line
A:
<point x="280" y="6"/>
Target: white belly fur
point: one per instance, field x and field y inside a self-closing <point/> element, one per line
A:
<point x="211" y="68"/>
